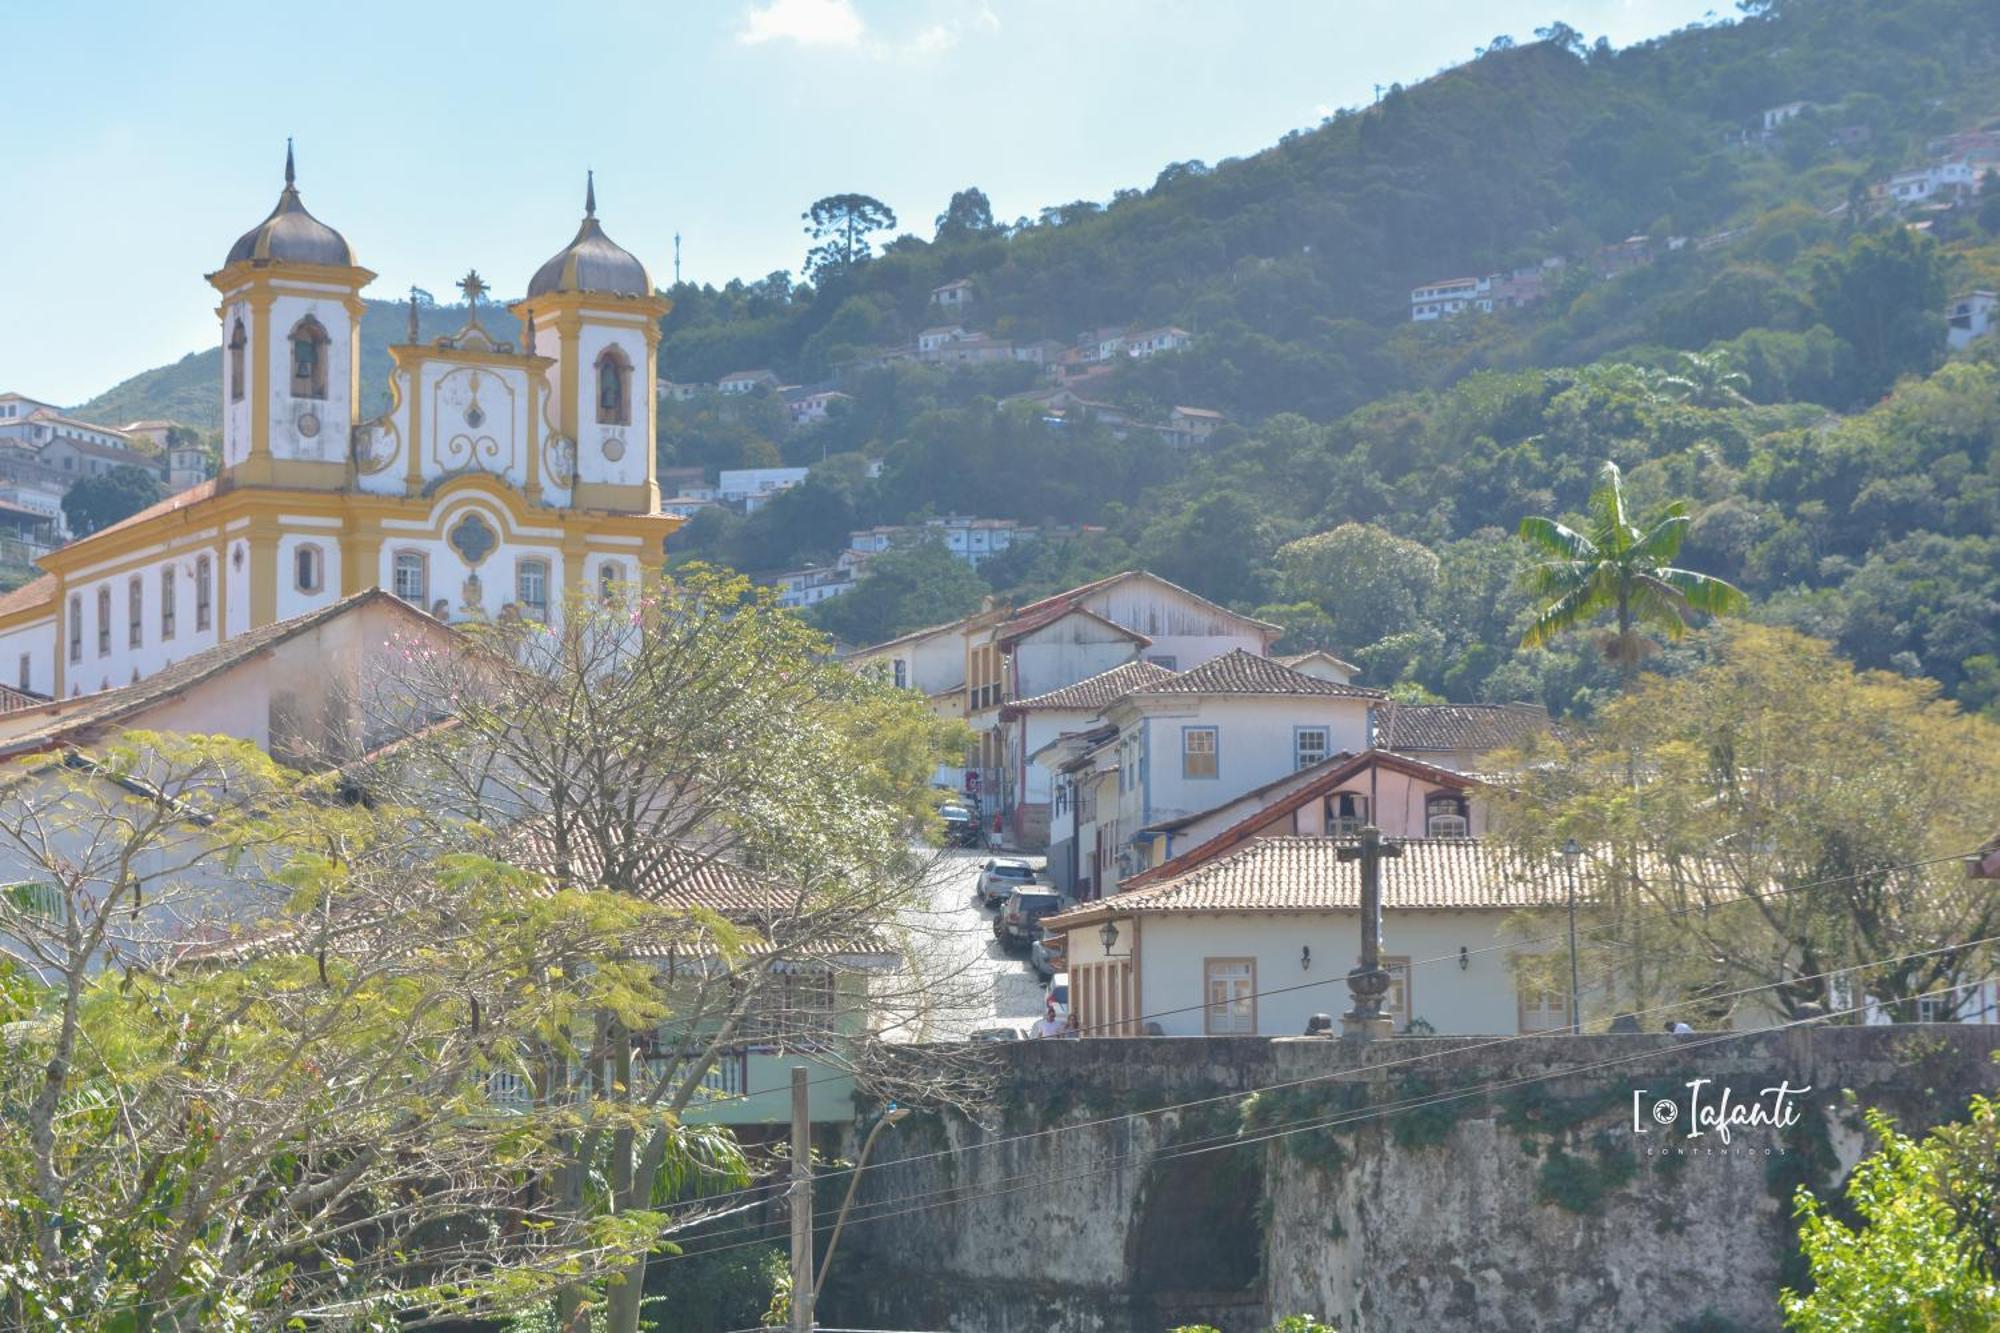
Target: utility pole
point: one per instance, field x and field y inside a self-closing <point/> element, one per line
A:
<point x="677" y="259"/>
<point x="1367" y="982"/>
<point x="802" y="1207"/>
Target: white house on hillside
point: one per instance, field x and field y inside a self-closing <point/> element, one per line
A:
<point x="1191" y="741"/>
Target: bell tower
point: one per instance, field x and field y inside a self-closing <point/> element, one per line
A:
<point x="593" y="311"/>
<point x="291" y="348"/>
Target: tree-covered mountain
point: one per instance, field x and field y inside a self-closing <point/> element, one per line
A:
<point x="1780" y="361"/>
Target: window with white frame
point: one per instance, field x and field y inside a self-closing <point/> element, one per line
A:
<point x="1396" y="1004"/>
<point x="1310" y="745"/>
<point x="609" y="575"/>
<point x="27" y="671"/>
<point x="1939" y="1008"/>
<point x="135" y="611"/>
<point x="1446" y="816"/>
<point x="75" y="627"/>
<point x="790" y="1005"/>
<point x="412" y="578"/>
<point x="1542" y="1009"/>
<point x="1231" y="988"/>
<point x="166" y="603"/>
<point x="1199" y="758"/>
<point x="531" y="587"/>
<point x="104" y="621"/>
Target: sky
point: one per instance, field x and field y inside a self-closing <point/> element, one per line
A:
<point x="140" y="140"/>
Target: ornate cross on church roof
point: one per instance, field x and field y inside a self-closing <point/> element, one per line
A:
<point x="473" y="286"/>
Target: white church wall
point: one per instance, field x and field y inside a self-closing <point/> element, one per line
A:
<point x="235" y="576"/>
<point x="37" y="644"/>
<point x="236" y="411"/>
<point x="324" y="538"/>
<point x="381" y="459"/>
<point x="474" y="418"/>
<point x="310" y="428"/>
<point x="613" y="453"/>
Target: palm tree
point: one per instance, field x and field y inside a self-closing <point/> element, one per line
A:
<point x="1705" y="381"/>
<point x="1622" y="568"/>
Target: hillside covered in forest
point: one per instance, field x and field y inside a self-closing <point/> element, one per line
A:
<point x="1779" y="359"/>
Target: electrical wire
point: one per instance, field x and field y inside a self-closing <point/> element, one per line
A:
<point x="1232" y="1140"/>
<point x="845" y="1077"/>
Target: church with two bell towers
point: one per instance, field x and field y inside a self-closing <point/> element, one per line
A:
<point x="503" y="478"/>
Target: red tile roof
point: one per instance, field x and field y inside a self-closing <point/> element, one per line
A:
<point x="35" y="592"/>
<point x="1308" y="874"/>
<point x="1093" y="693"/>
<point x="1240" y="672"/>
<point x="1458" y="726"/>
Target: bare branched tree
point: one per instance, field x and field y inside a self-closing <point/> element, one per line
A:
<point x="695" y="749"/>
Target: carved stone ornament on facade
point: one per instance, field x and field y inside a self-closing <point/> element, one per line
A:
<point x="614" y="449"/>
<point x="560" y="455"/>
<point x="308" y="424"/>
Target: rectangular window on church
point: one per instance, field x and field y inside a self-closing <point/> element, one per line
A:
<point x="531" y="587"/>
<point x="204" y="593"/>
<point x="27" y="673"/>
<point x="76" y="629"/>
<point x="412" y="578"/>
<point x="135" y="612"/>
<point x="167" y="603"/>
<point x="104" y="622"/>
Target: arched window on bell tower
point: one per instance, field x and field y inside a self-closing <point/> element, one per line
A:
<point x="614" y="385"/>
<point x="309" y="344"/>
<point x="237" y="342"/>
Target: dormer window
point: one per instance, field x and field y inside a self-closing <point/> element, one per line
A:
<point x="1446" y="815"/>
<point x="614" y="375"/>
<point x="309" y="344"/>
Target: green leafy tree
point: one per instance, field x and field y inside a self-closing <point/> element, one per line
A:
<point x="293" y="1124"/>
<point x="905" y="588"/>
<point x="1989" y="202"/>
<point x="1884" y="297"/>
<point x="967" y="217"/>
<point x="651" y="744"/>
<point x="1919" y="1256"/>
<point x="840" y="224"/>
<point x="1769" y="818"/>
<point x="95" y="503"/>
<point x="1622" y="568"/>
<point x="1372" y="582"/>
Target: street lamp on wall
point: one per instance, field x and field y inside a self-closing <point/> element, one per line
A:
<point x="1107" y="935"/>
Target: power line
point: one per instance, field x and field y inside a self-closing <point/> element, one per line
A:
<point x="1510" y="945"/>
<point x="1369" y="1069"/>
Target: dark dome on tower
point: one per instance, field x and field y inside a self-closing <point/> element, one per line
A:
<point x="593" y="262"/>
<point x="291" y="235"/>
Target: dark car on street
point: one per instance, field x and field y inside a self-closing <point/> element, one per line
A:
<point x="1020" y="921"/>
<point x="961" y="826"/>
